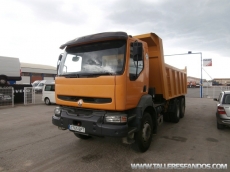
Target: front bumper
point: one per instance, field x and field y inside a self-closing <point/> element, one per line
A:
<point x="92" y="121"/>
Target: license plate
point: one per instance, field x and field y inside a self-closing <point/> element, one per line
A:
<point x="77" y="128"/>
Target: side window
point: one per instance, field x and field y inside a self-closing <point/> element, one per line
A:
<point x="53" y="88"/>
<point x="219" y="97"/>
<point x="136" y="64"/>
<point x="226" y="99"/>
<point x="48" y="88"/>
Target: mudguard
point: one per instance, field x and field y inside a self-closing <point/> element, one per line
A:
<point x="145" y="102"/>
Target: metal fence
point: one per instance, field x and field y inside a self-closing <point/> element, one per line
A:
<point x="6" y="96"/>
<point x="214" y="91"/>
<point x="29" y="95"/>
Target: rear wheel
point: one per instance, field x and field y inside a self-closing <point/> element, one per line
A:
<point x="3" y="80"/>
<point x="166" y="117"/>
<point x="47" y="101"/>
<point x="182" y="107"/>
<point x="80" y="136"/>
<point x="143" y="137"/>
<point x="220" y="126"/>
<point x="175" y="115"/>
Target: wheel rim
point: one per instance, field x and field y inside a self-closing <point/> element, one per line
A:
<point x="2" y="81"/>
<point x="146" y="132"/>
<point x="47" y="101"/>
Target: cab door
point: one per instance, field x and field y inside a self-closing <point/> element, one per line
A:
<point x="137" y="81"/>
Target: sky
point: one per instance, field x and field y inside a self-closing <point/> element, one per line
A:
<point x="33" y="30"/>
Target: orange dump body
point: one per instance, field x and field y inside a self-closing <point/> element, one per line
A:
<point x="167" y="80"/>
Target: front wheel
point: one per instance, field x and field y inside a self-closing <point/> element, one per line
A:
<point x="143" y="137"/>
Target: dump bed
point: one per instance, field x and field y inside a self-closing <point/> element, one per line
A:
<point x="167" y="80"/>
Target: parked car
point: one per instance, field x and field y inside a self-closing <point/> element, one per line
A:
<point x="35" y="83"/>
<point x="223" y="109"/>
<point x="5" y="98"/>
<point x="39" y="87"/>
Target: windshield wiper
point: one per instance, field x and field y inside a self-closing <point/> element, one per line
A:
<point x="82" y="75"/>
<point x="107" y="73"/>
<point x="85" y="75"/>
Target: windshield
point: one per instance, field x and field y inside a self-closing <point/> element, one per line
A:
<point x="96" y="58"/>
<point x="40" y="84"/>
<point x="35" y="84"/>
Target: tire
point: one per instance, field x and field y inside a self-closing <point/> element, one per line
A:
<point x="3" y="81"/>
<point x="143" y="137"/>
<point x="47" y="101"/>
<point x="182" y="107"/>
<point x="219" y="126"/>
<point x="175" y="114"/>
<point x="166" y="117"/>
<point x="81" y="136"/>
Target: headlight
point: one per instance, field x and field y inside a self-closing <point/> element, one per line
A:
<point x="119" y="118"/>
<point x="57" y="111"/>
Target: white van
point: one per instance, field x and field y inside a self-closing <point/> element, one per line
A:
<point x="39" y="87"/>
<point x="10" y="70"/>
<point x="48" y="93"/>
<point x="35" y="83"/>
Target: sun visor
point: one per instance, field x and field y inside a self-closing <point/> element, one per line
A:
<point x="96" y="37"/>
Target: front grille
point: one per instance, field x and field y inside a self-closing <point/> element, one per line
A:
<point x="85" y="99"/>
<point x="79" y="112"/>
<point x="83" y="112"/>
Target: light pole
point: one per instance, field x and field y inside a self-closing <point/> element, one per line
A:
<point x="201" y="80"/>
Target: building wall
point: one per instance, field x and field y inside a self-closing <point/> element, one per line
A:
<point x="25" y="80"/>
<point x="48" y="78"/>
<point x="36" y="70"/>
<point x="30" y="77"/>
<point x="35" y="78"/>
<point x="193" y="79"/>
<point x="222" y="80"/>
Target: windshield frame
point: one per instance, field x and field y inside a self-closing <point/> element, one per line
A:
<point x="81" y="73"/>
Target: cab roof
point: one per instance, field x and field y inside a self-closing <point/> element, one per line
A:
<point x="96" y="37"/>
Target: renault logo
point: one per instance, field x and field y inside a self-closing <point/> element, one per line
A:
<point x="79" y="103"/>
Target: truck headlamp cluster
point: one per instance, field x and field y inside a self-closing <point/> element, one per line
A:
<point x="116" y="118"/>
<point x="57" y="111"/>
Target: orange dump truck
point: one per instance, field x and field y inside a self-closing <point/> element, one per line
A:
<point x="116" y="85"/>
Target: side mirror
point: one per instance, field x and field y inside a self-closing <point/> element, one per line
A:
<point x="137" y="51"/>
<point x="215" y="99"/>
<point x="58" y="62"/>
<point x="75" y="58"/>
<point x="60" y="57"/>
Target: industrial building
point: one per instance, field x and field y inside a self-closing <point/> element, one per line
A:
<point x="222" y="81"/>
<point x="33" y="72"/>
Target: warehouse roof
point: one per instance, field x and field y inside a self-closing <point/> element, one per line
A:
<point x="37" y="66"/>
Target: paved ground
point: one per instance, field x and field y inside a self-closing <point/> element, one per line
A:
<point x="29" y="142"/>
